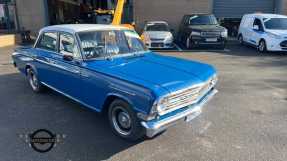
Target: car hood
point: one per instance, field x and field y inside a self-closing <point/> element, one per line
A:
<point x="152" y="71"/>
<point x="157" y="34"/>
<point x="278" y="32"/>
<point x="207" y="27"/>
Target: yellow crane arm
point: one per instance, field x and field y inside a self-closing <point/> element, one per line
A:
<point x="117" y="20"/>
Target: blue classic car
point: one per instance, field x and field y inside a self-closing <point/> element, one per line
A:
<point x="108" y="68"/>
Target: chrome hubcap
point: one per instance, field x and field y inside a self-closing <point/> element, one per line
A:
<point x="33" y="81"/>
<point x="121" y="120"/>
<point x="124" y="120"/>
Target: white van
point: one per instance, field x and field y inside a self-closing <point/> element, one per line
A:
<point x="267" y="32"/>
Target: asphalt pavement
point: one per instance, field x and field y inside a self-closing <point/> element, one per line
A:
<point x="246" y="120"/>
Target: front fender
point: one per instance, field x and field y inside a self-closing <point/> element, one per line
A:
<point x="140" y="101"/>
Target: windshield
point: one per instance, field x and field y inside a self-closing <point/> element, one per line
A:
<point x="276" y="24"/>
<point x="202" y="20"/>
<point x="97" y="44"/>
<point x="157" y="27"/>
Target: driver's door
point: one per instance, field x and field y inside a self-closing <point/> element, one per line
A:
<point x="258" y="30"/>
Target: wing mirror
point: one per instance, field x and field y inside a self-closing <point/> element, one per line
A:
<point x="256" y="27"/>
<point x="112" y="50"/>
<point x="68" y="56"/>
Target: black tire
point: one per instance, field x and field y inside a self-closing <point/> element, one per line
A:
<point x="34" y="82"/>
<point x="262" y="46"/>
<point x="240" y="39"/>
<point x="188" y="43"/>
<point x="124" y="122"/>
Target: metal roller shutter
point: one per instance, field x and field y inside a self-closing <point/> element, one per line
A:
<point x="237" y="8"/>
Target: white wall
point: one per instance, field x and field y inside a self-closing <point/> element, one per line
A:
<point x="31" y="15"/>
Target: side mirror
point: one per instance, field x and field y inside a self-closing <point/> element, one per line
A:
<point x="112" y="50"/>
<point x="68" y="56"/>
<point x="256" y="27"/>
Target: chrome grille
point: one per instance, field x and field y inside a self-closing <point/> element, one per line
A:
<point x="187" y="96"/>
<point x="210" y="34"/>
<point x="179" y="98"/>
<point x="156" y="39"/>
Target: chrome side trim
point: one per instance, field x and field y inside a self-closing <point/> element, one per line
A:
<point x="154" y="127"/>
<point x="55" y="89"/>
<point x="54" y="64"/>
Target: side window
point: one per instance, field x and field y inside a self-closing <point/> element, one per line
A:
<point x="48" y="41"/>
<point x="68" y="45"/>
<point x="258" y="23"/>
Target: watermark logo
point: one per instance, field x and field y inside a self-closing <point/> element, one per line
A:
<point x="42" y="140"/>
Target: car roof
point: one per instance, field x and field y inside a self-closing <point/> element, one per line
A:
<point x="200" y="14"/>
<point x="156" y="22"/>
<point x="74" y="28"/>
<point x="265" y="15"/>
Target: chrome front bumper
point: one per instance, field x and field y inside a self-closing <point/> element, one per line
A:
<point x="156" y="126"/>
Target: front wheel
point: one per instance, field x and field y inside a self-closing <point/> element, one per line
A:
<point x="124" y="122"/>
<point x="262" y="47"/>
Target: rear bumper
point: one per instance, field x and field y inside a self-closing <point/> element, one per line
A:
<point x="156" y="126"/>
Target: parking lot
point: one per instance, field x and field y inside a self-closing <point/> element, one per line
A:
<point x="246" y="120"/>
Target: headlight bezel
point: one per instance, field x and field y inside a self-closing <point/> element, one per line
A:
<point x="224" y="33"/>
<point x="169" y="38"/>
<point x="195" y="33"/>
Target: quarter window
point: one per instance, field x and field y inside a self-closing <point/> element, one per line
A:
<point x="48" y="41"/>
<point x="68" y="45"/>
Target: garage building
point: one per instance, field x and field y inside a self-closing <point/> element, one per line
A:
<point x="34" y="14"/>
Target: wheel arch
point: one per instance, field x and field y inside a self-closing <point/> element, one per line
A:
<point x="27" y="66"/>
<point x="113" y="96"/>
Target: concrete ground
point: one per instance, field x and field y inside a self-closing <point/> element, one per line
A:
<point x="246" y="121"/>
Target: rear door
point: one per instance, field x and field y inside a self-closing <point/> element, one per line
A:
<point x="45" y="48"/>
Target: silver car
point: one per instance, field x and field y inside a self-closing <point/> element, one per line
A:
<point x="157" y="35"/>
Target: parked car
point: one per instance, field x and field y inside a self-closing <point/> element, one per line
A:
<point x="157" y="34"/>
<point x="201" y="30"/>
<point x="267" y="32"/>
<point x="107" y="68"/>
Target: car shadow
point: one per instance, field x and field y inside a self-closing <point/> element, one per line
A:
<point x="88" y="135"/>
